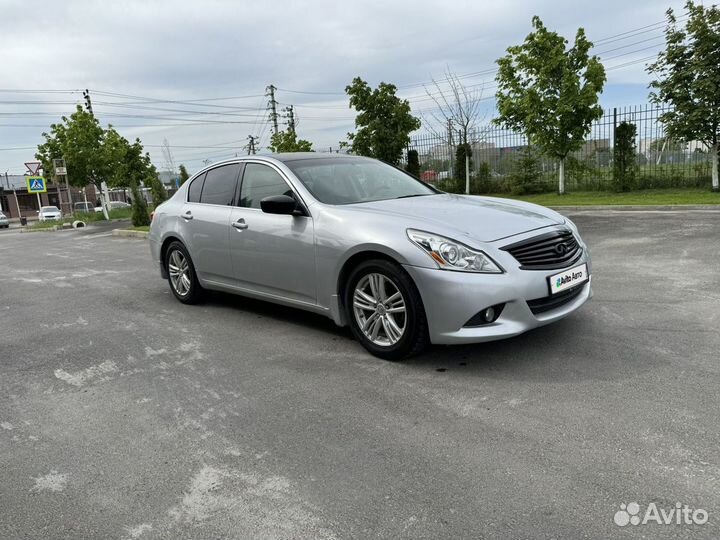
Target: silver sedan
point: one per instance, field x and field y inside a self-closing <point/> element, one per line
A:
<point x="400" y="262"/>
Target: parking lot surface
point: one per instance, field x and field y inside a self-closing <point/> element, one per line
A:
<point x="124" y="414"/>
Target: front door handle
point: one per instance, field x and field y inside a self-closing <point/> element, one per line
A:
<point x="240" y="224"/>
<point x="187" y="215"/>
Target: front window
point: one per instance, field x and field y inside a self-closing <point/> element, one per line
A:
<point x="351" y="180"/>
<point x="260" y="181"/>
<point x="47" y="209"/>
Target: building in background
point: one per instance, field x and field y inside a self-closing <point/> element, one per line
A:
<point x="17" y="202"/>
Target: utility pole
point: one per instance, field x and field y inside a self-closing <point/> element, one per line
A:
<point x="272" y="105"/>
<point x="290" y="115"/>
<point x="251" y="144"/>
<point x="88" y="102"/>
<point x="59" y="169"/>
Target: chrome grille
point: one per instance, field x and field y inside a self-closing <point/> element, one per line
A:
<point x="556" y="249"/>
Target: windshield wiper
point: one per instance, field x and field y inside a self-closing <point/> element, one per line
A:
<point x="413" y="195"/>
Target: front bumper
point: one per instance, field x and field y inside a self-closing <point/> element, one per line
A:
<point x="452" y="298"/>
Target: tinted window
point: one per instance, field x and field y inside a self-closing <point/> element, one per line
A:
<point x="260" y="181"/>
<point x="196" y="188"/>
<point x="219" y="185"/>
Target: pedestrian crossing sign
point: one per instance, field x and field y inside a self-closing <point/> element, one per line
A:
<point x="36" y="184"/>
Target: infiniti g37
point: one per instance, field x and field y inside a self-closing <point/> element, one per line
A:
<point x="400" y="262"/>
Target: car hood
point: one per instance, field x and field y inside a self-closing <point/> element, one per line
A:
<point x="483" y="218"/>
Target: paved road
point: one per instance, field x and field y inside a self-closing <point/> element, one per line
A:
<point x="124" y="414"/>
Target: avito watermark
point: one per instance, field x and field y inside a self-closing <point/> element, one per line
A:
<point x="680" y="514"/>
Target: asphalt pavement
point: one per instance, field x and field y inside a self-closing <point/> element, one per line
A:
<point x="124" y="414"/>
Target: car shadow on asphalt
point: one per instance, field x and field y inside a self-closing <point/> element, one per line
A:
<point x="277" y="312"/>
<point x="572" y="349"/>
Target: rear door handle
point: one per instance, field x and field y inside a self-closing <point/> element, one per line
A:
<point x="240" y="224"/>
<point x="187" y="215"/>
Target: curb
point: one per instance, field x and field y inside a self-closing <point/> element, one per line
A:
<point x="49" y="229"/>
<point x="636" y="207"/>
<point x="128" y="233"/>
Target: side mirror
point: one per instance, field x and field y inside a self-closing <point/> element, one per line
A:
<point x="280" y="204"/>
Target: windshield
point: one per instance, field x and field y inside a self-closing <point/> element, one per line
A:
<point x="50" y="209"/>
<point x="356" y="180"/>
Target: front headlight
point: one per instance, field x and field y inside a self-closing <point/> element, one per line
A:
<point x="452" y="255"/>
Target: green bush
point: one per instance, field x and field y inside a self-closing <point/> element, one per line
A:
<point x="157" y="190"/>
<point x="624" y="162"/>
<point x="140" y="216"/>
<point x="460" y="153"/>
<point x="525" y="178"/>
<point x="413" y="163"/>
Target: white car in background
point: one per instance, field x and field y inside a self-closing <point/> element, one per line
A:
<point x="4" y="221"/>
<point x="48" y="213"/>
<point x="114" y="205"/>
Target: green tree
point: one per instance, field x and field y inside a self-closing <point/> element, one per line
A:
<point x="525" y="177"/>
<point x="157" y="189"/>
<point x="183" y="174"/>
<point x="624" y="157"/>
<point x="688" y="79"/>
<point x="384" y="121"/>
<point x="463" y="159"/>
<point x="550" y="92"/>
<point x="413" y="163"/>
<point x="94" y="155"/>
<point x="78" y="139"/>
<point x="125" y="163"/>
<point x="287" y="141"/>
<point x="140" y="216"/>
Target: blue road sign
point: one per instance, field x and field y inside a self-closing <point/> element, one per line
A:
<point x="36" y="184"/>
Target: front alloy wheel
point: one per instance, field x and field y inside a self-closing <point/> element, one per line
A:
<point x="385" y="311"/>
<point x="379" y="309"/>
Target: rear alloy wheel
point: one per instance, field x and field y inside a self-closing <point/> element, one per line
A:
<point x="181" y="274"/>
<point x="385" y="310"/>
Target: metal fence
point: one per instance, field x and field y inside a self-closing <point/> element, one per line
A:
<point x="497" y="163"/>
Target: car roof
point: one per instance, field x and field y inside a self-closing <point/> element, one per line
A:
<point x="284" y="157"/>
<point x="297" y="156"/>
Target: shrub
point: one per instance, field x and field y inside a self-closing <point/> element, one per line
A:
<point x="413" y="163"/>
<point x="140" y="216"/>
<point x="459" y="172"/>
<point x="525" y="178"/>
<point x="624" y="162"/>
<point x="157" y="190"/>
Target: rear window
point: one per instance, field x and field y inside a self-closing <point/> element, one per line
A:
<point x="195" y="188"/>
<point x="219" y="187"/>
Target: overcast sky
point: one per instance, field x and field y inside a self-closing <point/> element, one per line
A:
<point x="137" y="57"/>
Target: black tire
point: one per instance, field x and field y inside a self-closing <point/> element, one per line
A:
<point x="415" y="337"/>
<point x="195" y="292"/>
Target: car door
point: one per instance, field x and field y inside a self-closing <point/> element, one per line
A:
<point x="205" y="218"/>
<point x="271" y="254"/>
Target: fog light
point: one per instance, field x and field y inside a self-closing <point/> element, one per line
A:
<point x="485" y="316"/>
